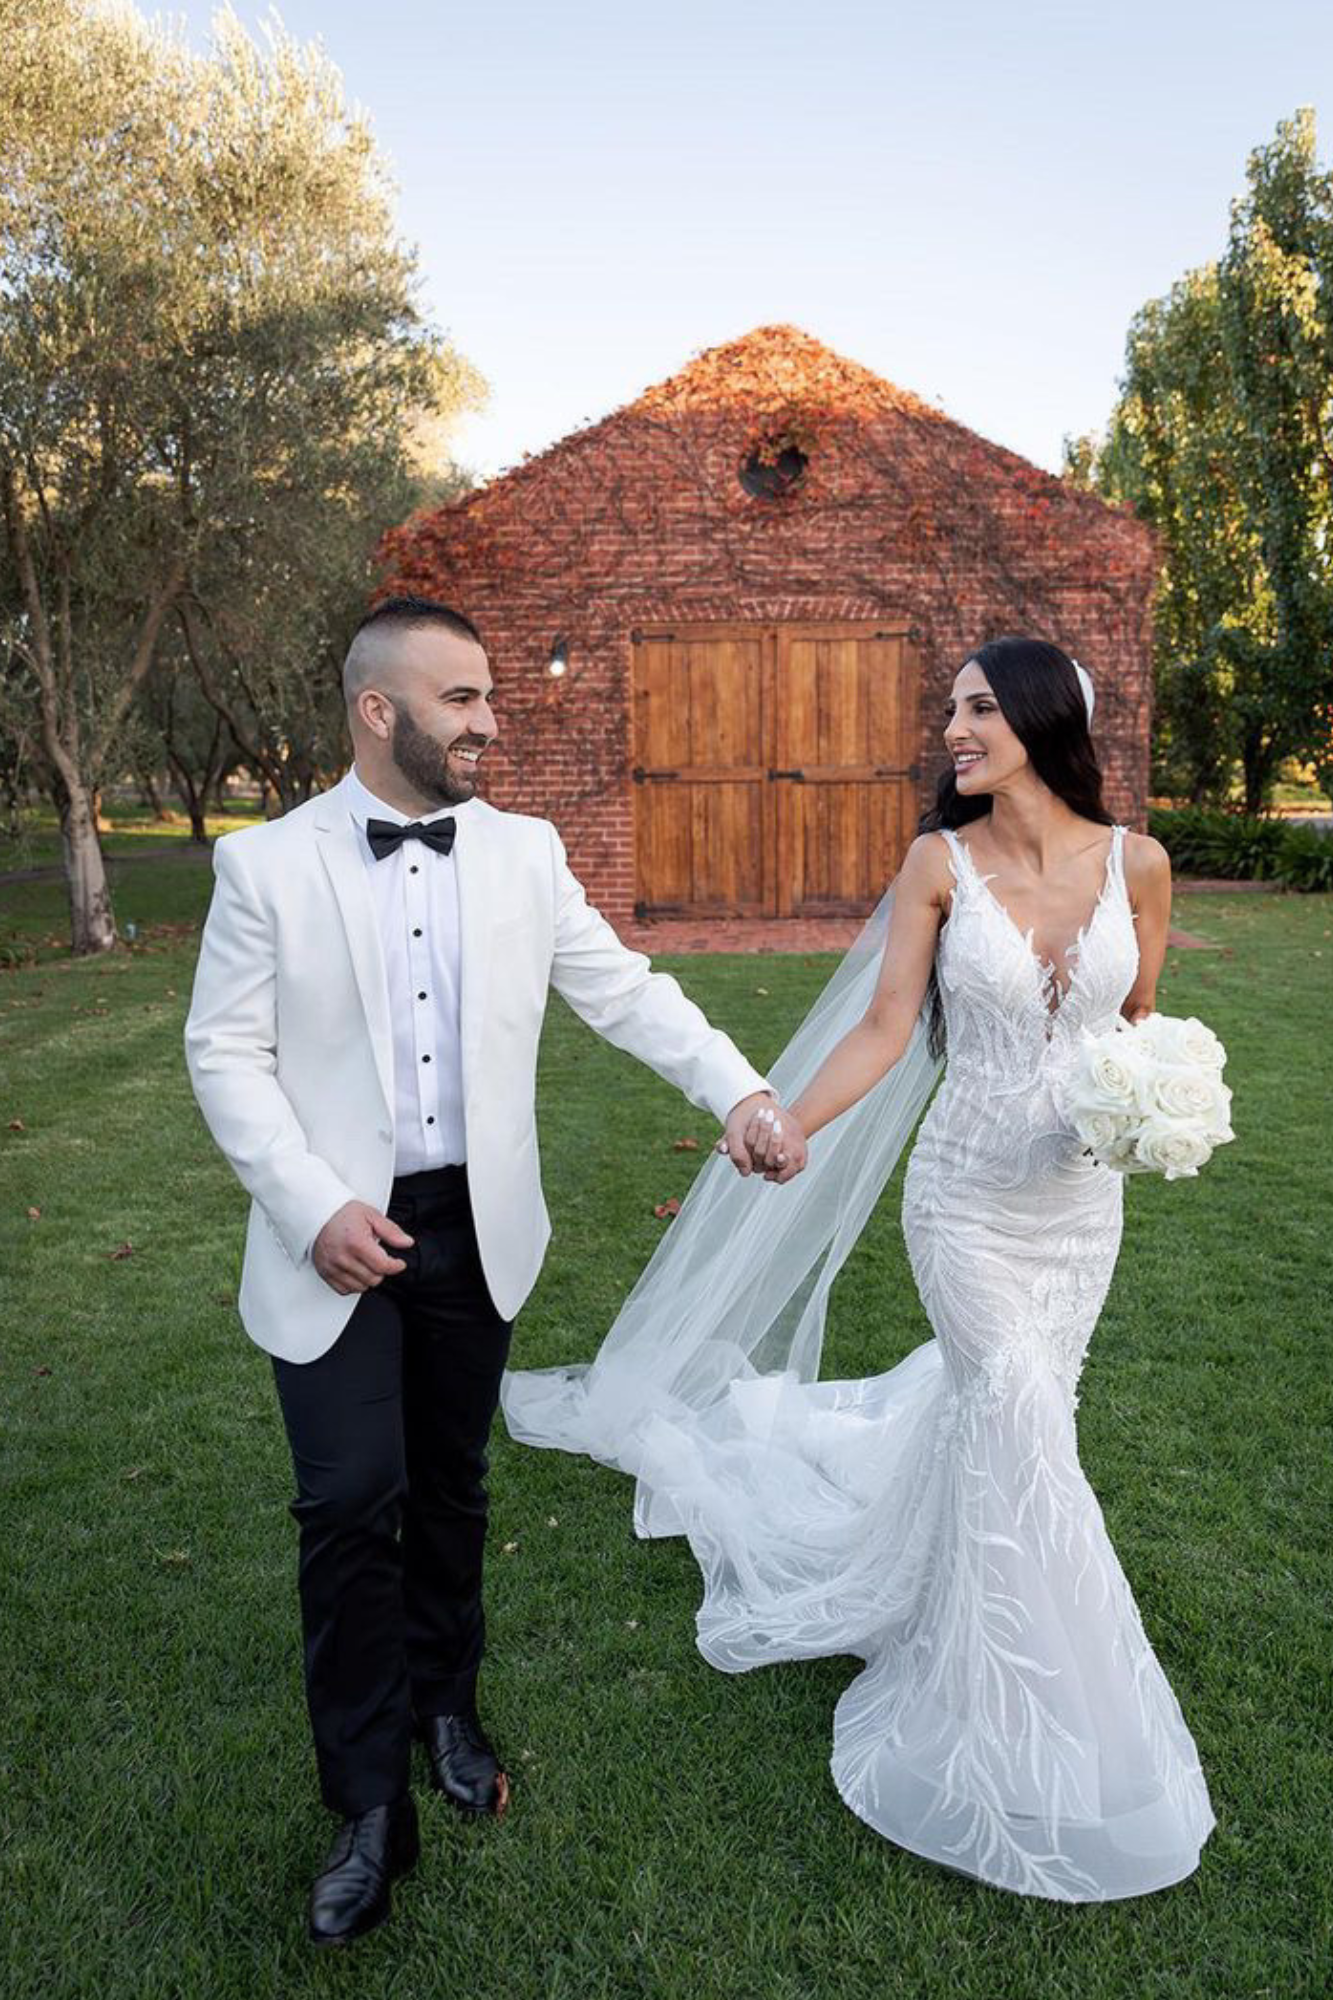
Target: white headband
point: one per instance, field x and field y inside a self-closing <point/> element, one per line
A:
<point x="1085" y="682"/>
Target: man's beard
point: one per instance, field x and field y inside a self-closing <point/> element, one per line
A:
<point x="425" y="764"/>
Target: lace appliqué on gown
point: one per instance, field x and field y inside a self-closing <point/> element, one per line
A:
<point x="1012" y="1721"/>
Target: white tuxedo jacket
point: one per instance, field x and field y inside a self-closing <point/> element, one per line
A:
<point x="291" y="1056"/>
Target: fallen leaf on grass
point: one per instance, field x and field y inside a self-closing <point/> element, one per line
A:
<point x="664" y="1209"/>
<point x="173" y="1558"/>
<point x="34" y="1215"/>
<point x="684" y="1145"/>
<point x="136" y="1472"/>
<point x="121" y="1251"/>
<point x="17" y="1125"/>
<point x="41" y="1371"/>
<point x="762" y="991"/>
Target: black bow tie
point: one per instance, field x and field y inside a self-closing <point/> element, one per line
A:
<point x="386" y="838"/>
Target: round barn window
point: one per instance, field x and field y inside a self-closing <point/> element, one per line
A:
<point x="772" y="470"/>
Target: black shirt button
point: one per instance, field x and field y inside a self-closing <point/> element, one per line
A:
<point x="421" y="996"/>
<point x="431" y="1119"/>
<point x="413" y="869"/>
<point x="416" y="933"/>
<point x="425" y="1059"/>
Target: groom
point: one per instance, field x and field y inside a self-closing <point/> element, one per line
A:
<point x="363" y="1045"/>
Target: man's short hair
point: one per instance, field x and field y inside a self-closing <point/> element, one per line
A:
<point x="406" y="610"/>
<point x="366" y="655"/>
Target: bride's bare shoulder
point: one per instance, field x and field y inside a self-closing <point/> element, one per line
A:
<point x="1147" y="863"/>
<point x="927" y="870"/>
<point x="1148" y="880"/>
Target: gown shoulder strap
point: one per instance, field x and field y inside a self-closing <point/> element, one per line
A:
<point x="1116" y="859"/>
<point x="958" y="854"/>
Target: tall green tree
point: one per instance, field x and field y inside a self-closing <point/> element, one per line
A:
<point x="1275" y="288"/>
<point x="1221" y="439"/>
<point x="209" y="345"/>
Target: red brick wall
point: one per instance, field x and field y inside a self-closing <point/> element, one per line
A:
<point x="643" y="520"/>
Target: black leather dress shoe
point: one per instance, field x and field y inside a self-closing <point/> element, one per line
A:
<point x="352" y="1894"/>
<point x="463" y="1764"/>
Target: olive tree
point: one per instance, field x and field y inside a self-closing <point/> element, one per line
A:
<point x="212" y="364"/>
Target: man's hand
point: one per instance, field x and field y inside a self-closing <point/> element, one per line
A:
<point x="348" y="1253"/>
<point x="762" y="1138"/>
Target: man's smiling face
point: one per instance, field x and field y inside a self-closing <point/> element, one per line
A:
<point x="443" y="722"/>
<point x="429" y="708"/>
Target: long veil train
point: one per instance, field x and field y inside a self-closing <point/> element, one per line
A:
<point x="739" y="1285"/>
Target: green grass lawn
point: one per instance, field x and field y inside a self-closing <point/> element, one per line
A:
<point x="674" y="1832"/>
<point x="130" y="832"/>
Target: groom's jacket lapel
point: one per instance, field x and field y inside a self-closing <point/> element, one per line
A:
<point x="342" y="859"/>
<point x="477" y="888"/>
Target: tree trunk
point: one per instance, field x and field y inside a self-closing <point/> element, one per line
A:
<point x="218" y="791"/>
<point x="150" y="794"/>
<point x="93" y="925"/>
<point x="13" y="797"/>
<point x="191" y="796"/>
<point x="1257" y="762"/>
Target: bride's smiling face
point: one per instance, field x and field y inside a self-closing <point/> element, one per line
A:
<point x="985" y="751"/>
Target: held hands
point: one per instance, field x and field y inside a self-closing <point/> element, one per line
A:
<point x="348" y="1253"/>
<point x="763" y="1138"/>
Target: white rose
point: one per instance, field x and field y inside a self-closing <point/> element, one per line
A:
<point x="1146" y="1034"/>
<point x="1193" y="1093"/>
<point x="1100" y="1131"/>
<point x="1116" y="1074"/>
<point x="1187" y="1042"/>
<point x="1198" y="1044"/>
<point x="1171" y="1147"/>
<point x="1219" y="1131"/>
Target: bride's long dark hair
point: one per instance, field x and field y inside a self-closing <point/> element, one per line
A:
<point x="1039" y="696"/>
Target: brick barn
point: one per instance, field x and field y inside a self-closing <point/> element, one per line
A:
<point x="723" y="621"/>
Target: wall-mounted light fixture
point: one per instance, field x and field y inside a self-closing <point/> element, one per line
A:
<point x="558" y="664"/>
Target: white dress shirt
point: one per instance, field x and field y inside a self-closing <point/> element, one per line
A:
<point x="415" y="894"/>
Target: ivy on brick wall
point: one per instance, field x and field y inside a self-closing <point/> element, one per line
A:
<point x="642" y="519"/>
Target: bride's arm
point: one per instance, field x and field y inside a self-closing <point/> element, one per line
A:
<point x="1148" y="880"/>
<point x="870" y="1049"/>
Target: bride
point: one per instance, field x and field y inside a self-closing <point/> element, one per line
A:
<point x="1011" y="1721"/>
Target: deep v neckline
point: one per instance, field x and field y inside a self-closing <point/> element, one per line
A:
<point x="1047" y="976"/>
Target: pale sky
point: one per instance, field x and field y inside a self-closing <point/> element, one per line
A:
<point x="972" y="200"/>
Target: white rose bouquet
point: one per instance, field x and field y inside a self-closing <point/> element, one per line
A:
<point x="1149" y="1097"/>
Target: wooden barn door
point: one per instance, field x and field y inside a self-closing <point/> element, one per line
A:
<point x="702" y="828"/>
<point x="773" y="767"/>
<point x="845" y="723"/>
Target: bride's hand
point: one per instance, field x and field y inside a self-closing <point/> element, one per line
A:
<point x="776" y="1144"/>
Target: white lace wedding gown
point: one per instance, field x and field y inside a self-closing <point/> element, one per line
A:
<point x="1012" y="1721"/>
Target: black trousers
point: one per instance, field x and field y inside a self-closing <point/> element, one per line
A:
<point x="388" y="1434"/>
